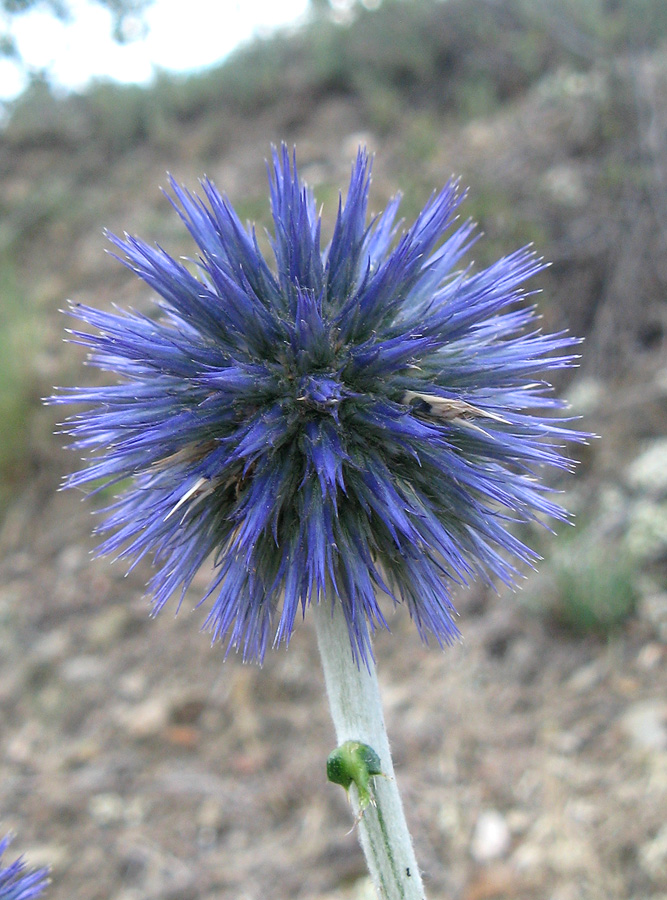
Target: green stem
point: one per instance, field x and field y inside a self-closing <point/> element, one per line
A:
<point x="356" y="710"/>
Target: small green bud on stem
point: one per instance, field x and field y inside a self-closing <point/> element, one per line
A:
<point x="354" y="762"/>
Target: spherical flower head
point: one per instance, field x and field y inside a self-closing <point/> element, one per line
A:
<point x="361" y="421"/>
<point x="18" y="882"/>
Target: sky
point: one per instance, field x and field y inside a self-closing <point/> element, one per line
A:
<point x="74" y="53"/>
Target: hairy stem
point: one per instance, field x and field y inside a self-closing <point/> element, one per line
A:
<point x="356" y="710"/>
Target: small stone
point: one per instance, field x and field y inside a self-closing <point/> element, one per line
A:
<point x="73" y="559"/>
<point x="22" y="746"/>
<point x="653" y="610"/>
<point x="82" y="669"/>
<point x="363" y="889"/>
<point x="107" y="809"/>
<point x="567" y="742"/>
<point x="565" y="184"/>
<point x="210" y="814"/>
<point x="645" y="724"/>
<point x="491" y="838"/>
<point x="646" y="536"/>
<point x="52" y="647"/>
<point x="146" y="719"/>
<point x="650" y="656"/>
<point x="449" y="820"/>
<point x="528" y="857"/>
<point x="585" y="678"/>
<point x="653" y="856"/>
<point x="586" y="396"/>
<point x="132" y="685"/>
<point x="648" y="472"/>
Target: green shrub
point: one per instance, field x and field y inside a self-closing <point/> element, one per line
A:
<point x="17" y="397"/>
<point x="459" y="56"/>
<point x="586" y="584"/>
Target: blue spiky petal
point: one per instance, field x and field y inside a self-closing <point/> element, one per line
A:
<point x="17" y="882"/>
<point x="361" y="420"/>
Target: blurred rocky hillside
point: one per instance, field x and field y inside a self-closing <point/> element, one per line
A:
<point x="535" y="755"/>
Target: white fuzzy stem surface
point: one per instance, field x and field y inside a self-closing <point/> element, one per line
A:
<point x="356" y="710"/>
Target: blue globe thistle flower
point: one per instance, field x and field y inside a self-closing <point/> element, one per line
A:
<point x="353" y="421"/>
<point x="16" y="881"/>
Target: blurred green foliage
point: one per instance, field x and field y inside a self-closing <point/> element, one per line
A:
<point x="460" y="56"/>
<point x="16" y="383"/>
<point x="586" y="585"/>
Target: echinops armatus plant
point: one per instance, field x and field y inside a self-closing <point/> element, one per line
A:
<point x="340" y="428"/>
